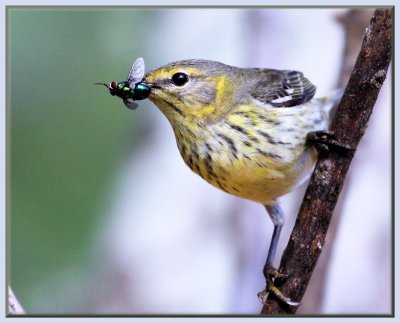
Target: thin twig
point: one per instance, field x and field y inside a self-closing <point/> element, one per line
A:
<point x="14" y="307"/>
<point x="349" y="124"/>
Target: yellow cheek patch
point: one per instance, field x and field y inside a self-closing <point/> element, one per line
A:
<point x="222" y="99"/>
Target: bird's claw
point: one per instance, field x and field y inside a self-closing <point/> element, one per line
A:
<point x="262" y="296"/>
<point x="271" y="275"/>
<point x="324" y="140"/>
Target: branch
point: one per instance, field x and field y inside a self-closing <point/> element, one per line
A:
<point x="353" y="23"/>
<point x="14" y="307"/>
<point x="349" y="124"/>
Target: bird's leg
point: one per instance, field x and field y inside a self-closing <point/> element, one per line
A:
<point x="270" y="273"/>
<point x="324" y="140"/>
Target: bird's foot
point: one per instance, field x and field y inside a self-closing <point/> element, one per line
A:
<point x="324" y="141"/>
<point x="272" y="275"/>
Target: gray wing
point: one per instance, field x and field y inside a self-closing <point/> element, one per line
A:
<point x="283" y="88"/>
<point x="136" y="73"/>
<point x="130" y="104"/>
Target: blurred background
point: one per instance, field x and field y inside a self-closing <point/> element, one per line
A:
<point x="104" y="217"/>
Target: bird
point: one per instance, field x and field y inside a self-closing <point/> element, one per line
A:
<point x="243" y="130"/>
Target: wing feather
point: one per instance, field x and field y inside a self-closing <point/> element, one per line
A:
<point x="283" y="88"/>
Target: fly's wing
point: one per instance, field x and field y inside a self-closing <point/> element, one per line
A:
<point x="282" y="88"/>
<point x="136" y="73"/>
<point x="130" y="104"/>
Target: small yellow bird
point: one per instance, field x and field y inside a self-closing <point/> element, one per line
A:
<point x="243" y="130"/>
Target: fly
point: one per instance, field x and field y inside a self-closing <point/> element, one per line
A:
<point x="132" y="89"/>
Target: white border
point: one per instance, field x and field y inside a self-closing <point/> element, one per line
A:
<point x="210" y="3"/>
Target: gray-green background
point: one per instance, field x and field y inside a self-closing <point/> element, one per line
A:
<point x="65" y="136"/>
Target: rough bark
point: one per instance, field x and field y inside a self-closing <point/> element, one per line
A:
<point x="353" y="23"/>
<point x="349" y="125"/>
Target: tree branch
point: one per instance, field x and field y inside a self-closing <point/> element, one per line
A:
<point x="353" y="23"/>
<point x="349" y="124"/>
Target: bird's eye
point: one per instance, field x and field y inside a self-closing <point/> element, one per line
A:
<point x="180" y="79"/>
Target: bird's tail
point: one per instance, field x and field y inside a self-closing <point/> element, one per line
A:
<point x="331" y="100"/>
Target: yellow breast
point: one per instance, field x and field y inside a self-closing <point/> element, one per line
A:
<point x="256" y="154"/>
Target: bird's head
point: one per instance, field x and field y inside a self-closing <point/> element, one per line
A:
<point x="191" y="89"/>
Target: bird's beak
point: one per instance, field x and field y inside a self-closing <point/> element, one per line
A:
<point x="151" y="85"/>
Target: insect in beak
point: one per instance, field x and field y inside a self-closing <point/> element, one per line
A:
<point x="133" y="89"/>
